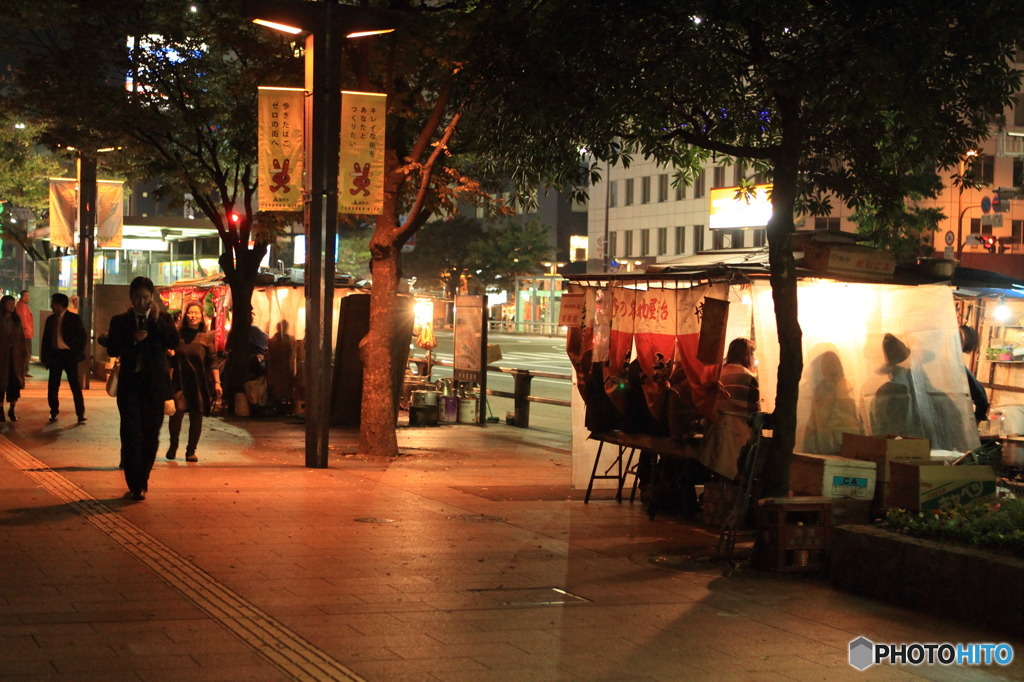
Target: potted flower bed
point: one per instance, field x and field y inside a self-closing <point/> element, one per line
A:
<point x="965" y="562"/>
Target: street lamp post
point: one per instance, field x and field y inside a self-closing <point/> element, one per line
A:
<point x="959" y="202"/>
<point x="87" y="196"/>
<point x="327" y="24"/>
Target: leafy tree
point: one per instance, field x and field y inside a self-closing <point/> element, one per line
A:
<point x="834" y="97"/>
<point x="444" y="253"/>
<point x="490" y="253"/>
<point x="511" y="249"/>
<point x="187" y="115"/>
<point x="23" y="183"/>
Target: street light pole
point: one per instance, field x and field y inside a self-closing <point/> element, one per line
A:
<point x="87" y="195"/>
<point x="327" y="25"/>
<point x="323" y="120"/>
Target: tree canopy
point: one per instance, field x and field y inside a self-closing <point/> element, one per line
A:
<point x="852" y="99"/>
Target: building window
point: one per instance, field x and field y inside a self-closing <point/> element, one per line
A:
<point x="718" y="177"/>
<point x="680" y="192"/>
<point x="612" y="239"/>
<point x="984" y="168"/>
<point x="663" y="187"/>
<point x="645" y="242"/>
<point x="1017" y="231"/>
<point x="978" y="228"/>
<point x="645" y="190"/>
<point x="1018" y="111"/>
<point x="628" y="201"/>
<point x="662" y="241"/>
<point x="760" y="236"/>
<point x="830" y="224"/>
<point x="613" y="193"/>
<point x="698" y="238"/>
<point x="628" y="251"/>
<point x="739" y="172"/>
<point x="698" y="185"/>
<point x="1018" y="171"/>
<point x="680" y="239"/>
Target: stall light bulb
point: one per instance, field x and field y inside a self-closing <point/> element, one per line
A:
<point x="1002" y="312"/>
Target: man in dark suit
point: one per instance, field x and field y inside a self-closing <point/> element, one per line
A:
<point x="141" y="338"/>
<point x="60" y="351"/>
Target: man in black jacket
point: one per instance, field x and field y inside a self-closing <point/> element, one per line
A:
<point x="61" y="349"/>
<point x="141" y="338"/>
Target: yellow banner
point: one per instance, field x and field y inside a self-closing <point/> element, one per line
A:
<point x="63" y="211"/>
<point x="109" y="213"/>
<point x="361" y="174"/>
<point x="281" y="148"/>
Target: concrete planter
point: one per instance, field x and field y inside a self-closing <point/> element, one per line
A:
<point x="960" y="582"/>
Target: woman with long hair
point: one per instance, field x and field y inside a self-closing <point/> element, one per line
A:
<point x="194" y="378"/>
<point x="12" y="356"/>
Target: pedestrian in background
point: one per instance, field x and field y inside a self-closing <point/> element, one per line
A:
<point x="195" y="376"/>
<point x="61" y="349"/>
<point x="141" y="338"/>
<point x="28" y="325"/>
<point x="12" y="356"/>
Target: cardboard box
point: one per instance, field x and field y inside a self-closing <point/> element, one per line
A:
<point x="885" y="449"/>
<point x="922" y="487"/>
<point x="831" y="476"/>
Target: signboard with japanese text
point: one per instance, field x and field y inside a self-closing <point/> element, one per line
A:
<point x="361" y="173"/>
<point x="469" y="339"/>
<point x="281" y="157"/>
<point x="109" y="213"/>
<point x="63" y="211"/>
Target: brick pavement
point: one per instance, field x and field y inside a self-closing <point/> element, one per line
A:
<point x="466" y="558"/>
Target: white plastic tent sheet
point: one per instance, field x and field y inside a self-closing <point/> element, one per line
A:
<point x="850" y="383"/>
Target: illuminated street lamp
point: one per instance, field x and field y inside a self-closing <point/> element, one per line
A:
<point x="327" y="25"/>
<point x="960" y="200"/>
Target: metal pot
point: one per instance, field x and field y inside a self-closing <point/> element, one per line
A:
<point x="1013" y="452"/>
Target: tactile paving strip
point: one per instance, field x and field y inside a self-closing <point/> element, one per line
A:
<point x="292" y="654"/>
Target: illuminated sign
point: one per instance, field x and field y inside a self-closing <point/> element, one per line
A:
<point x="729" y="209"/>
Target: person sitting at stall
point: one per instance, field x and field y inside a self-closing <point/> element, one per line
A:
<point x="969" y="343"/>
<point x="896" y="411"/>
<point x="738" y="398"/>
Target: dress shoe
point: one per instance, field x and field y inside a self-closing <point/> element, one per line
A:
<point x="191" y="457"/>
<point x="138" y="495"/>
<point x="10" y="413"/>
<point x="81" y="419"/>
<point x="53" y="417"/>
<point x="172" y="452"/>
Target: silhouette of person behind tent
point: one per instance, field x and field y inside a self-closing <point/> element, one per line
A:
<point x="895" y="410"/>
<point x="833" y="409"/>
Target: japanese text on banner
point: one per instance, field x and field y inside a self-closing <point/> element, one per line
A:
<point x="361" y="174"/>
<point x="281" y="148"/>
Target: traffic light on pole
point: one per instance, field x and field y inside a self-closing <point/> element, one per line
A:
<point x="989" y="242"/>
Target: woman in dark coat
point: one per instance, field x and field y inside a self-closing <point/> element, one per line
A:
<point x="195" y="376"/>
<point x="12" y="355"/>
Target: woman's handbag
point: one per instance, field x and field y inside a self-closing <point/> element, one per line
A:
<point x="112" y="379"/>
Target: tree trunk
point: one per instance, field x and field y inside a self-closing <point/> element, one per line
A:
<point x="377" y="434"/>
<point x="782" y="268"/>
<point x="240" y="276"/>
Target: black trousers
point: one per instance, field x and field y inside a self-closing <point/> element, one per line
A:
<point x="195" y="428"/>
<point x="64" y="362"/>
<point x="142" y="417"/>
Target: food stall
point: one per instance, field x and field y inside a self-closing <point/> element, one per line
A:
<point x="882" y="355"/>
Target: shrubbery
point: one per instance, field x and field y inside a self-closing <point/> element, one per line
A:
<point x="997" y="525"/>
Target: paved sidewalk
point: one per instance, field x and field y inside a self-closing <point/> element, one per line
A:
<point x="466" y="558"/>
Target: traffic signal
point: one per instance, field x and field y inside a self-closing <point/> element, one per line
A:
<point x="999" y="204"/>
<point x="989" y="242"/>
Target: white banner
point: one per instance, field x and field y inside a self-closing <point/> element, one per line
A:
<point x="361" y="172"/>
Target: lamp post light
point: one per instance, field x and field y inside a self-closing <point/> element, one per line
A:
<point x="327" y="25"/>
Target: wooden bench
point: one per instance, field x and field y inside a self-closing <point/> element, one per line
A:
<point x="627" y="444"/>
